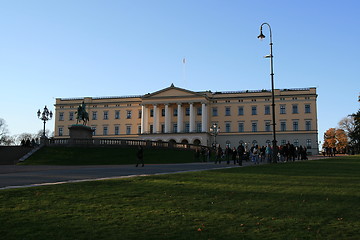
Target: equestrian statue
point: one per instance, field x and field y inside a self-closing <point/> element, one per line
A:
<point x="82" y="115"/>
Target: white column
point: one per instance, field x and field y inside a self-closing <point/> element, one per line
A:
<point x="180" y="119"/>
<point x="192" y="118"/>
<point x="156" y="120"/>
<point x="204" y="118"/>
<point x="167" y="119"/>
<point x="143" y="119"/>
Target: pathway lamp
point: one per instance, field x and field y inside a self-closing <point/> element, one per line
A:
<point x="45" y="116"/>
<point x="262" y="36"/>
<point x="214" y="130"/>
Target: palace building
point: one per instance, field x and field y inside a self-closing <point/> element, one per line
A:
<point x="179" y="115"/>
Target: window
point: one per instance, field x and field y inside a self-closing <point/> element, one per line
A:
<point x="94" y="130"/>
<point x="227" y="127"/>
<point x="71" y="116"/>
<point x="61" y="116"/>
<point x="295" y="109"/>
<point x="128" y="129"/>
<point x="139" y="129"/>
<point x="283" y="142"/>
<point x="267" y="127"/>
<point x="240" y="127"/>
<point x="187" y="127"/>
<point x="282" y="109"/>
<point x="267" y="109"/>
<point x="175" y="127"/>
<point x="117" y="130"/>
<point x="117" y="114"/>
<point x="139" y="114"/>
<point x="151" y="112"/>
<point x="214" y="111"/>
<point x="61" y="131"/>
<point x="187" y="111"/>
<point x="162" y="128"/>
<point x="307" y="108"/>
<point x="151" y="128"/>
<point x="105" y="130"/>
<point x="254" y="127"/>
<point x="308" y="125"/>
<point x="227" y="111"/>
<point x="175" y="112"/>
<point x="128" y="115"/>
<point x="283" y="126"/>
<point x="106" y="115"/>
<point x="295" y="126"/>
<point x="240" y="110"/>
<point x="198" y="127"/>
<point x="253" y="110"/>
<point x="308" y="143"/>
<point x="94" y="115"/>
<point x="296" y="142"/>
<point x="199" y="111"/>
<point x="163" y="112"/>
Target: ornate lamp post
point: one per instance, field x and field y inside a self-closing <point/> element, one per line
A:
<point x="45" y="116"/>
<point x="262" y="36"/>
<point x="214" y="130"/>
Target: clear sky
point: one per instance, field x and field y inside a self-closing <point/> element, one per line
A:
<point x="59" y="49"/>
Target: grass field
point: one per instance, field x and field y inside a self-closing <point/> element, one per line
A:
<point x="302" y="200"/>
<point x="106" y="156"/>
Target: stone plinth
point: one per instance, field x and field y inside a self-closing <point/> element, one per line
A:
<point x="78" y="131"/>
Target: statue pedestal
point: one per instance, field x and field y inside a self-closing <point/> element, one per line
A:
<point x="78" y="131"/>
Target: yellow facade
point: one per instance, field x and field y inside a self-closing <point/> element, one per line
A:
<point x="180" y="115"/>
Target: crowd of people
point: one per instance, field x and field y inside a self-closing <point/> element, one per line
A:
<point x="329" y="151"/>
<point x="256" y="154"/>
<point x="30" y="143"/>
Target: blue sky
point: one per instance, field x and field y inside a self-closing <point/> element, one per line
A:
<point x="52" y="49"/>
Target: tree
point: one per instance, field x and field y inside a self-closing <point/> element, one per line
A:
<point x="329" y="138"/>
<point x="4" y="138"/>
<point x="355" y="134"/>
<point x="347" y="124"/>
<point x="336" y="138"/>
<point x="341" y="140"/>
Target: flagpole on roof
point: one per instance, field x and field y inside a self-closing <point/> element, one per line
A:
<point x="184" y="72"/>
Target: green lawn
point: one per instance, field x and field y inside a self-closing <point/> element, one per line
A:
<point x="106" y="156"/>
<point x="302" y="200"/>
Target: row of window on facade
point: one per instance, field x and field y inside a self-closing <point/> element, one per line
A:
<point x="198" y="129"/>
<point x="254" y="111"/>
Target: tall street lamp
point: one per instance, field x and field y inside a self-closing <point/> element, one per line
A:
<point x="262" y="36"/>
<point x="45" y="116"/>
<point x="214" y="130"/>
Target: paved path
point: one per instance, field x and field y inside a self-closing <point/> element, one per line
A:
<point x="13" y="176"/>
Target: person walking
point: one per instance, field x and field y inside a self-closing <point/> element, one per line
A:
<point x="140" y="156"/>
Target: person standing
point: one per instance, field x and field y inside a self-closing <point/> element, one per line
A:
<point x="233" y="155"/>
<point x="241" y="151"/>
<point x="140" y="156"/>
<point x="219" y="153"/>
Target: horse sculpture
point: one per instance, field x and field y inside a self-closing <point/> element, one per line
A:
<point x="82" y="115"/>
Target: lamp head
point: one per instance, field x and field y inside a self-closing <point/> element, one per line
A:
<point x="261" y="36"/>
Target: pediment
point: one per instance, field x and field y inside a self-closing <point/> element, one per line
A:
<point x="172" y="92"/>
